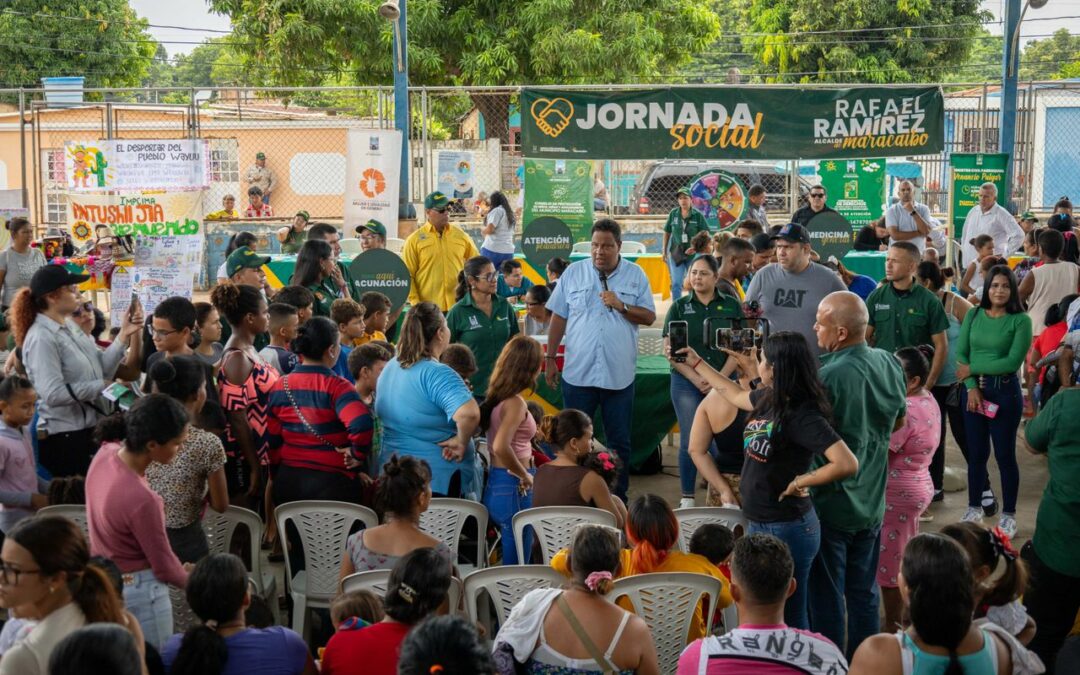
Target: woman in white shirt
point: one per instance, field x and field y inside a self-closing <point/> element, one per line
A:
<point x="498" y="230"/>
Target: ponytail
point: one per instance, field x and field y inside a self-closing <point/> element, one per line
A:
<point x="941" y="593"/>
<point x="986" y="548"/>
<point x="462" y="286"/>
<point x="202" y="652"/>
<point x="653" y="530"/>
<point x="23" y="313"/>
<point x="215" y="592"/>
<point x="473" y="267"/>
<point x="422" y="324"/>
<point x="96" y="597"/>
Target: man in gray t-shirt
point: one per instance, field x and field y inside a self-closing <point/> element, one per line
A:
<point x="789" y="291"/>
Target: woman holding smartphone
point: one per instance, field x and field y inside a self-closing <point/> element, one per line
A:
<point x="691" y="315"/>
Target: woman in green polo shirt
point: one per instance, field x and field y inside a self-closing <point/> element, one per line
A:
<point x="480" y="319"/>
<point x="687" y="388"/>
<point x="314" y="271"/>
<point x="683" y="222"/>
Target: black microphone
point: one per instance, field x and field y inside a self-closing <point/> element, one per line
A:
<point x="603" y="283"/>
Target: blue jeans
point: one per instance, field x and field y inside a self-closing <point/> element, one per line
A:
<point x="803" y="537"/>
<point x="617" y="409"/>
<point x="981" y="431"/>
<point x="843" y="586"/>
<point x="678" y="274"/>
<point x="503" y="499"/>
<point x="496" y="259"/>
<point x="148" y="601"/>
<point x="686" y="398"/>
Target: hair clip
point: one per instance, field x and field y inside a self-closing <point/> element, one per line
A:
<point x="407" y="592"/>
<point x="594" y="579"/>
<point x="435" y="669"/>
<point x="1002" y="544"/>
<point x="211" y="624"/>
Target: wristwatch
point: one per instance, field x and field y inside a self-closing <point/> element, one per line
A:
<point x="625" y="309"/>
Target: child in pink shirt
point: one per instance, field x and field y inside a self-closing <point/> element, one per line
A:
<point x="21" y="491"/>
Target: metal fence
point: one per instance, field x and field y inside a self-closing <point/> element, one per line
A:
<point x="302" y="131"/>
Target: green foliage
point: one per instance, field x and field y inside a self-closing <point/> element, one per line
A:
<point x="983" y="63"/>
<point x="110" y="49"/>
<point x="1051" y="58"/>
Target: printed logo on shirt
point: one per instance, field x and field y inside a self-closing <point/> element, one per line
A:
<point x="882" y="307"/>
<point x="756" y="441"/>
<point x="791" y="299"/>
<point x="473" y="323"/>
<point x="689" y="310"/>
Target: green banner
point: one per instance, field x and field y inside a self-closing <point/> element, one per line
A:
<point x="830" y="235"/>
<point x="732" y="123"/>
<point x="381" y="270"/>
<point x="561" y="189"/>
<point x="856" y="188"/>
<point x="546" y="238"/>
<point x="969" y="171"/>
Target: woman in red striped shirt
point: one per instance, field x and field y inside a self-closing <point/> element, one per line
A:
<point x="320" y="430"/>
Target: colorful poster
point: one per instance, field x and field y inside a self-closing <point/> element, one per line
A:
<point x="969" y="172"/>
<point x="560" y="189"/>
<point x="120" y="288"/>
<point x="855" y="188"/>
<point x="145" y="214"/>
<point x="178" y="164"/>
<point x="455" y="177"/>
<point x="154" y="284"/>
<point x="720" y="196"/>
<point x="372" y="177"/>
<point x="732" y="122"/>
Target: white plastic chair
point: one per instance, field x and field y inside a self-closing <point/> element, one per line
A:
<point x="376" y="581"/>
<point x="182" y="616"/>
<point x="350" y="246"/>
<point x="394" y="244"/>
<point x="553" y="526"/>
<point x="582" y="247"/>
<point x="691" y="519"/>
<point x="444" y="520"/>
<point x="323" y="527"/>
<point x="220" y="528"/>
<point x="506" y="586"/>
<point x="632" y="248"/>
<point x="650" y="341"/>
<point x="73" y="512"/>
<point x="666" y="602"/>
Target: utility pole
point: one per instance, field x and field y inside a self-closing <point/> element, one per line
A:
<point x="1009" y="74"/>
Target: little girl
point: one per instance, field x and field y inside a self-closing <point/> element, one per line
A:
<point x="998" y="600"/>
<point x="21" y="491"/>
<point x="972" y="282"/>
<point x="605" y="464"/>
<point x="909" y="488"/>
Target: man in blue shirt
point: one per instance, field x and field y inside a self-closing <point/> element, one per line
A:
<point x="598" y="305"/>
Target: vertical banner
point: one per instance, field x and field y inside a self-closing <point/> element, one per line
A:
<point x="372" y="177"/>
<point x="855" y="188"/>
<point x="969" y="171"/>
<point x="455" y="173"/>
<point x="560" y="189"/>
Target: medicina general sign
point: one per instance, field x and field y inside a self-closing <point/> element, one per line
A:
<point x="732" y="123"/>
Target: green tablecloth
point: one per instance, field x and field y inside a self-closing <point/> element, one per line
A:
<point x="653" y="415"/>
<point x="870" y="263"/>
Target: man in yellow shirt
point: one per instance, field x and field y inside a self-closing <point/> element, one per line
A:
<point x="435" y="254"/>
<point x="228" y="209"/>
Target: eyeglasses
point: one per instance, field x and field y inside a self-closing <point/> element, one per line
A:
<point x="86" y="307"/>
<point x="817" y="195"/>
<point x="162" y="334"/>
<point x="491" y="276"/>
<point x="10" y="575"/>
<point x="440" y="210"/>
<point x="369" y="237"/>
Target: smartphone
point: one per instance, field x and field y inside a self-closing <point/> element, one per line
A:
<point x="988" y="409"/>
<point x="133" y="305"/>
<point x="737" y="339"/>
<point x="678" y="334"/>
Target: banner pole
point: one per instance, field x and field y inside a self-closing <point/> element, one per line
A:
<point x="950" y="228"/>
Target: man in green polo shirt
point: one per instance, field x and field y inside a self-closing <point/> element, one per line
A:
<point x="683" y="222"/>
<point x="868" y="393"/>
<point x="903" y="313"/>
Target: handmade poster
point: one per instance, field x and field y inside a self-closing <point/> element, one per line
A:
<point x="137" y="164"/>
<point x="120" y="295"/>
<point x="154" y="284"/>
<point x="372" y="177"/>
<point x="455" y="169"/>
<point x="147" y="214"/>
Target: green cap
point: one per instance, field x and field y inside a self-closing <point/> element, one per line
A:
<point x="684" y="190"/>
<point x="304" y="215"/>
<point x="373" y="226"/>
<point x="1028" y="215"/>
<point x="260" y="155"/>
<point x="436" y="200"/>
<point x="242" y="258"/>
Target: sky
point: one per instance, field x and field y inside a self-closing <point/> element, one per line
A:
<point x="196" y="13"/>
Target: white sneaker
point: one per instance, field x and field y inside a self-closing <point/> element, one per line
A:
<point x="1007" y="524"/>
<point x="974" y="514"/>
<point x="686" y="503"/>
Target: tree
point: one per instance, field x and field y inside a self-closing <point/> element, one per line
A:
<point x="102" y="40"/>
<point x="471" y="42"/>
<point x="1046" y="59"/>
<point x="896" y="41"/>
<point x="160" y="72"/>
<point x="983" y="63"/>
<point x="713" y="64"/>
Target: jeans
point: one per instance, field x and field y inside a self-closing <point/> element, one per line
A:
<point x="496" y="259"/>
<point x="803" y="537"/>
<point x="843" y="581"/>
<point x="617" y="409"/>
<point x="1052" y="599"/>
<point x="678" y="273"/>
<point x="686" y="398"/>
<point x="955" y="417"/>
<point x="503" y="499"/>
<point x="148" y="601"/>
<point x="1001" y="431"/>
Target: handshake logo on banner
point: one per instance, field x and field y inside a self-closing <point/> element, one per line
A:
<point x="552" y="116"/>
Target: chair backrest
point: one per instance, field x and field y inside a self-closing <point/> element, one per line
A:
<point x="666" y="602"/>
<point x="506" y="586"/>
<point x="220" y="528"/>
<point x="183" y="617"/>
<point x="445" y="518"/>
<point x="323" y="526"/>
<point x="394" y="244"/>
<point x="582" y="247"/>
<point x="632" y="247"/>
<point x="73" y="512"/>
<point x="351" y="246"/>
<point x="376" y="581"/>
<point x="553" y="526"/>
<point x="692" y="518"/>
<point x="650" y="341"/>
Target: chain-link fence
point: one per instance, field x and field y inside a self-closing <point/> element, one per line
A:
<point x="466" y="142"/>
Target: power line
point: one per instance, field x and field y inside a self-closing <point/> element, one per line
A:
<point x="92" y="20"/>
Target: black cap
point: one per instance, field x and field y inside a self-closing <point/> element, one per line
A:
<point x="793" y="232"/>
<point x="762" y="242"/>
<point x="51" y="277"/>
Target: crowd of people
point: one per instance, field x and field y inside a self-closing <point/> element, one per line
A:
<point x="814" y="400"/>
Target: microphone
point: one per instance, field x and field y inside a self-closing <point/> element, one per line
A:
<point x="603" y="284"/>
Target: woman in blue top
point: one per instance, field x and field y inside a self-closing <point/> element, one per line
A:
<point x="424" y="406"/>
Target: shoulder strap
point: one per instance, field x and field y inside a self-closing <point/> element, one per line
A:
<point x="594" y="652"/>
<point x="303" y="420"/>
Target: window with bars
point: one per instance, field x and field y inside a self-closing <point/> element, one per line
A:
<point x="54" y="184"/>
